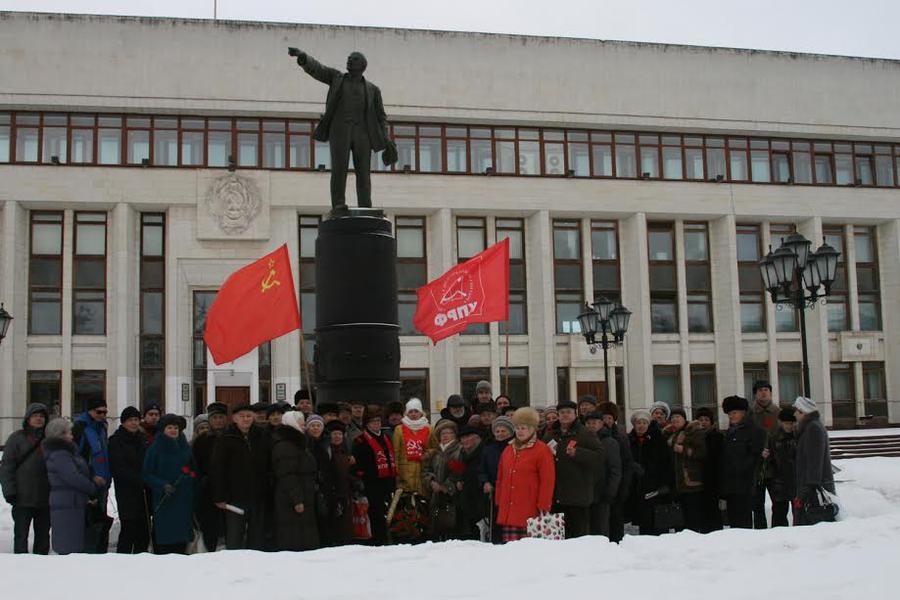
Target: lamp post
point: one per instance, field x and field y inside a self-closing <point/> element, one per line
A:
<point x="5" y="320"/>
<point x="609" y="323"/>
<point x="799" y="279"/>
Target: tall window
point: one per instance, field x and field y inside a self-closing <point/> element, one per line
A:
<point x="469" y="378"/>
<point x="567" y="275"/>
<point x="309" y="231"/>
<point x="202" y="301"/>
<point x="605" y="259"/>
<point x="754" y="372"/>
<point x="667" y="384"/>
<point x="562" y="384"/>
<point x="867" y="278"/>
<point x="699" y="282"/>
<point x="786" y="318"/>
<point x="89" y="281"/>
<point x="875" y="390"/>
<point x="884" y="169"/>
<point x="517" y="388"/>
<point x="790" y="382"/>
<point x="412" y="269"/>
<point x="663" y="280"/>
<point x="87" y="387"/>
<point x="44" y="387"/>
<point x="153" y="309"/>
<point x="471" y="239"/>
<point x="27" y="137"/>
<point x="750" y="283"/>
<point x="514" y="229"/>
<point x="414" y="384"/>
<point x="703" y="387"/>
<point x="843" y="401"/>
<point x="45" y="274"/>
<point x="5" y="137"/>
<point x="838" y="304"/>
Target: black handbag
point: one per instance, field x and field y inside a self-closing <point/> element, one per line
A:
<point x="819" y="508"/>
<point x="668" y="516"/>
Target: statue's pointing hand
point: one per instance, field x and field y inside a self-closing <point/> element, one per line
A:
<point x="299" y="54"/>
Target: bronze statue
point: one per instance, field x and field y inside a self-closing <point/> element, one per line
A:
<point x="354" y="121"/>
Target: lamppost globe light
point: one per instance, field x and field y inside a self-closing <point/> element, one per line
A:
<point x="811" y="277"/>
<point x="767" y="271"/>
<point x="826" y="265"/>
<point x="619" y="318"/>
<point x="603" y="306"/>
<point x="5" y="320"/>
<point x="785" y="262"/>
<point x="799" y="245"/>
<point x="588" y="323"/>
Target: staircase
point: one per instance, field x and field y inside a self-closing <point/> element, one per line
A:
<point x="862" y="446"/>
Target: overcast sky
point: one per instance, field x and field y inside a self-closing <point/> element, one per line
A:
<point x="849" y="27"/>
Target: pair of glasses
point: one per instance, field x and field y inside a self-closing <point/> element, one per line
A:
<point x="101" y="412"/>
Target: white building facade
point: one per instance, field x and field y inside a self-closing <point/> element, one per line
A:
<point x="143" y="160"/>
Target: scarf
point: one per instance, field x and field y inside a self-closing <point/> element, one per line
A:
<point x="415" y="440"/>
<point x="417" y="424"/>
<point x="517" y="445"/>
<point x="384" y="461"/>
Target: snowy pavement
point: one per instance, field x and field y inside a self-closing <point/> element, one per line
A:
<point x="854" y="558"/>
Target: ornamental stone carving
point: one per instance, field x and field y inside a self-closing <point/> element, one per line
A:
<point x="234" y="203"/>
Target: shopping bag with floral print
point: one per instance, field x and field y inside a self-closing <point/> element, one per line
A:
<point x="547" y="526"/>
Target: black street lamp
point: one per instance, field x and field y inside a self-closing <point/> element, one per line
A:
<point x="607" y="321"/>
<point x="5" y="320"/>
<point x="799" y="279"/>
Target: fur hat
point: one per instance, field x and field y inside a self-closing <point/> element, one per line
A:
<point x="373" y="411"/>
<point x="57" y="428"/>
<point x="787" y="414"/>
<point x="413" y="404"/>
<point x="129" y="412"/>
<point x="526" y="416"/>
<point x="171" y="419"/>
<point x="704" y="411"/>
<point x="294" y="419"/>
<point x="734" y="403"/>
<point x="641" y="413"/>
<point x="445" y="424"/>
<point x="662" y="405"/>
<point x="594" y="414"/>
<point x="486" y="407"/>
<point x="609" y="408"/>
<point x="278" y="407"/>
<point x="587" y="399"/>
<point x="762" y="383"/>
<point x="336" y="425"/>
<point x="678" y="411"/>
<point x="805" y="405"/>
<point x="503" y="423"/>
<point x="469" y="430"/>
<point x="483" y="385"/>
<point x="455" y="401"/>
<point x="216" y="408"/>
<point x="325" y="408"/>
<point x="566" y="404"/>
<point x="394" y="408"/>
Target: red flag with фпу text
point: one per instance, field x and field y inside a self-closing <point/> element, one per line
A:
<point x="476" y="291"/>
<point x="256" y="304"/>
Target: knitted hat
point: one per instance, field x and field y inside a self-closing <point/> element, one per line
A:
<point x="550" y="409"/>
<point x="678" y="411"/>
<point x="315" y="419"/>
<point x="200" y="419"/>
<point x="171" y="419"/>
<point x="413" y="404"/>
<point x="608" y="408"/>
<point x="294" y="420"/>
<point x="787" y="414"/>
<point x="503" y="423"/>
<point x="762" y="383"/>
<point x="129" y="412"/>
<point x="587" y="399"/>
<point x="444" y="424"/>
<point x="455" y="400"/>
<point x="526" y="416"/>
<point x="483" y="385"/>
<point x="566" y="404"/>
<point x="640" y="414"/>
<point x="665" y="408"/>
<point x="704" y="411"/>
<point x="152" y="406"/>
<point x="216" y="408"/>
<point x="805" y="405"/>
<point x="734" y="403"/>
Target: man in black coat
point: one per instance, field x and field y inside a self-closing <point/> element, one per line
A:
<point x="472" y="501"/>
<point x="608" y="477"/>
<point x="578" y="454"/>
<point x="456" y="411"/>
<point x="210" y="518"/>
<point x="23" y="476"/>
<point x="742" y="452"/>
<point x="241" y="476"/>
<point x="127" y="447"/>
<point x="712" y="514"/>
<point x="610" y="414"/>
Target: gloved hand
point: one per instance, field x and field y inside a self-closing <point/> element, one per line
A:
<point x="11" y="500"/>
<point x="168" y="489"/>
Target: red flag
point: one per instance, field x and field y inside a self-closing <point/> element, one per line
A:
<point x="255" y="304"/>
<point x="476" y="291"/>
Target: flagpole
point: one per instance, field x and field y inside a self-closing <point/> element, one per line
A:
<point x="506" y="376"/>
<point x="309" y="384"/>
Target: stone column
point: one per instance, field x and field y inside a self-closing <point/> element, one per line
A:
<point x="889" y="278"/>
<point x="443" y="370"/>
<point x="726" y="307"/>
<point x="817" y="336"/>
<point x="541" y="309"/>
<point x="123" y="335"/>
<point x="14" y="295"/>
<point x="636" y="296"/>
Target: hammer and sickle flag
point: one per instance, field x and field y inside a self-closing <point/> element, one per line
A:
<point x="257" y="303"/>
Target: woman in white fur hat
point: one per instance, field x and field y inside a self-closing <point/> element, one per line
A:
<point x="410" y="443"/>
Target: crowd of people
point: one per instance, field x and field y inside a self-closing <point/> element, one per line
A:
<point x="278" y="477"/>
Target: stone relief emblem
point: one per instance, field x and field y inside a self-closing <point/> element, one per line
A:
<point x="234" y="201"/>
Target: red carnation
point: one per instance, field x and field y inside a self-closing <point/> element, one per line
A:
<point x="185" y="469"/>
<point x="193" y="474"/>
<point x="457" y="467"/>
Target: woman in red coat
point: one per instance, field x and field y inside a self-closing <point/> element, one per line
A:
<point x="525" y="478"/>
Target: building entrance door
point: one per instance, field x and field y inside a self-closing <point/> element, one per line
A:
<point x="597" y="389"/>
<point x="232" y="396"/>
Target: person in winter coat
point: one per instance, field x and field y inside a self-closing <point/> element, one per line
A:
<point x="395" y="411"/>
<point x="410" y="441"/>
<point x="472" y="502"/>
<point x="526" y="477"/>
<point x="781" y="456"/>
<point x="659" y="411"/>
<point x="23" y="476"/>
<point x="241" y="475"/>
<point x="334" y="464"/>
<point x="210" y="518"/>
<point x="127" y="448"/>
<point x="376" y="466"/>
<point x="487" y="412"/>
<point x="169" y="472"/>
<point x="610" y="413"/>
<point x="813" y="461"/>
<point x="739" y="464"/>
<point x="764" y="413"/>
<point x="587" y="404"/>
<point x="653" y="471"/>
<point x="90" y="434"/>
<point x="503" y="430"/>
<point x="150" y="421"/>
<point x="712" y="514"/>
<point x="71" y="487"/>
<point x="577" y="456"/>
<point x="442" y="469"/>
<point x="688" y="445"/>
<point x="608" y="476"/>
<point x="456" y="410"/>
<point x="295" y="486"/>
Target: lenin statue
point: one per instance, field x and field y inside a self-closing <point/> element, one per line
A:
<point x="354" y="121"/>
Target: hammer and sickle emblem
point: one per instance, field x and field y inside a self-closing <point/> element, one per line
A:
<point x="269" y="282"/>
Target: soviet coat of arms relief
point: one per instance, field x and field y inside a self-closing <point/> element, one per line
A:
<point x="233" y="206"/>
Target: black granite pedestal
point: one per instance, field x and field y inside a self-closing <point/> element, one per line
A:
<point x="357" y="354"/>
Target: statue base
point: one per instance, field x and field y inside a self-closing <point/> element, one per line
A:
<point x="345" y="211"/>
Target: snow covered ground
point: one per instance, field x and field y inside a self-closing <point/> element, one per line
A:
<point x="854" y="558"/>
